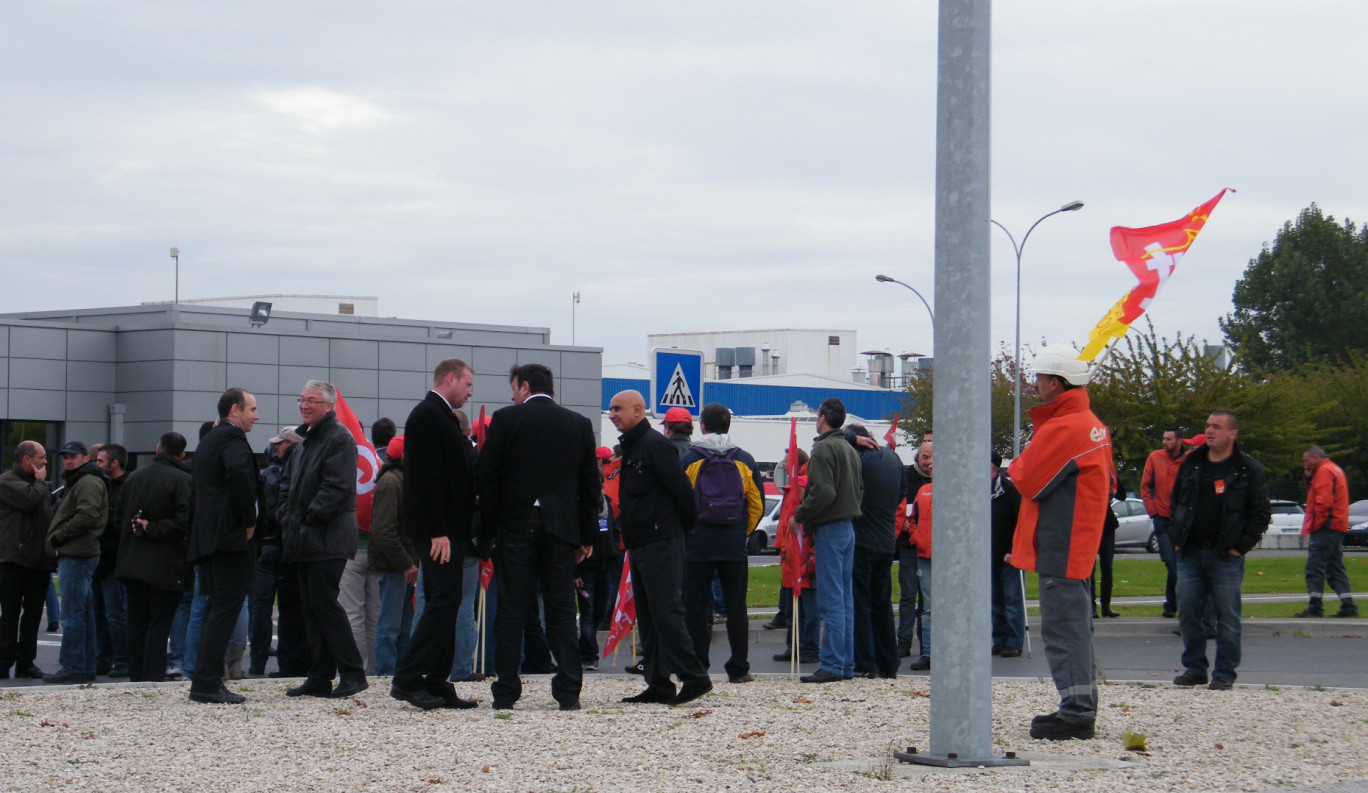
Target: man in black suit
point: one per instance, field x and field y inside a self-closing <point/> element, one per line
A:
<point x="439" y="503"/>
<point x="538" y="482"/>
<point x="225" y="515"/>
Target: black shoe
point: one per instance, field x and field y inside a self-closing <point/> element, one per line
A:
<point x="4" y="672"/>
<point x="502" y="704"/>
<point x="350" y="688"/>
<point x="1053" y="728"/>
<point x="220" y="697"/>
<point x="53" y="627"/>
<point x="1041" y="719"/>
<point x="570" y="705"/>
<point x="1189" y="679"/>
<point x="691" y="691"/>
<point x="638" y="668"/>
<point x="649" y="697"/>
<point x="311" y="688"/>
<point x="256" y="671"/>
<point x="997" y="649"/>
<point x="1221" y="684"/>
<point x="821" y="676"/>
<point x="1311" y="611"/>
<point x="774" y="625"/>
<point x="473" y="677"/>
<point x="1107" y="612"/>
<point x="904" y="650"/>
<point x="118" y="670"/>
<point x="416" y="697"/>
<point x="65" y="678"/>
<point x="1347" y="610"/>
<point x="102" y="669"/>
<point x="1170" y="614"/>
<point x="786" y="655"/>
<point x="1010" y="652"/>
<point x="809" y="658"/>
<point x="920" y="664"/>
<point x="1176" y="632"/>
<point x="451" y="700"/>
<point x="29" y="672"/>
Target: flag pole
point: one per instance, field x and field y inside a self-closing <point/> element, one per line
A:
<point x="480" y="645"/>
<point x="793" y="649"/>
<point x="1025" y="613"/>
<point x="1098" y="361"/>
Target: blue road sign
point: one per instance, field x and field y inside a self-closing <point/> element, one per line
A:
<point x="676" y="380"/>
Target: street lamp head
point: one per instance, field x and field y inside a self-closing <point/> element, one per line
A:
<point x="175" y="253"/>
<point x="1072" y="206"/>
<point x="883" y="279"/>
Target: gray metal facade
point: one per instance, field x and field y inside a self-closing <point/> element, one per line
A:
<point x="140" y="371"/>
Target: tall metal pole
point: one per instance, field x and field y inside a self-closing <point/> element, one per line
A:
<point x="574" y="301"/>
<point x="1072" y="206"/>
<point x="175" y="306"/>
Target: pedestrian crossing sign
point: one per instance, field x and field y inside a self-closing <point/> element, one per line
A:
<point x="676" y="380"/>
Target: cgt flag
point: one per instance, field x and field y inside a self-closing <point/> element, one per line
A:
<point x="367" y="465"/>
<point x="790" y="535"/>
<point x="624" y="611"/>
<point x="1151" y="253"/>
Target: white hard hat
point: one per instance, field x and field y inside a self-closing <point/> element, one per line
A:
<point x="1061" y="360"/>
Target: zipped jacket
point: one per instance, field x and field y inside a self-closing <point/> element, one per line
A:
<point x="1065" y="477"/>
<point x="1244" y="509"/>
<point x="25" y="514"/>
<point x="1327" y="500"/>
<point x="1156" y="483"/>
<point x="835" y="485"/>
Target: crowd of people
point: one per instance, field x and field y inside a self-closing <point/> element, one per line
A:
<point x="522" y="523"/>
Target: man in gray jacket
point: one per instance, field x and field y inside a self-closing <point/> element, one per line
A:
<point x="74" y="535"/>
<point x="317" y="514"/>
<point x="830" y="504"/>
<point x="25" y="564"/>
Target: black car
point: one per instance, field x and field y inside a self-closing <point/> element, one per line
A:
<point x="1358" y="524"/>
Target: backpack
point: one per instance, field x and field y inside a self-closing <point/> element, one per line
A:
<point x="718" y="489"/>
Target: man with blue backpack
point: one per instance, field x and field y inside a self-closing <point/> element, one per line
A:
<point x="728" y="490"/>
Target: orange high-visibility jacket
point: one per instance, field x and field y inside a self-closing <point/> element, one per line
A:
<point x="1065" y="477"/>
<point x="1156" y="483"/>
<point x="1327" y="500"/>
<point x="921" y="522"/>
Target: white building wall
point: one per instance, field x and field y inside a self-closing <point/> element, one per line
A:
<point x="801" y="351"/>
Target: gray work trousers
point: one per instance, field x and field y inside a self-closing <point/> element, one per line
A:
<point x="1066" y="630"/>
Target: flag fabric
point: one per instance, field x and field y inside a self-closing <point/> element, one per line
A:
<point x="892" y="435"/>
<point x="367" y="464"/>
<point x="624" y="611"/>
<point x="1151" y="253"/>
<point x="486" y="573"/>
<point x="791" y="539"/>
<point x="481" y="429"/>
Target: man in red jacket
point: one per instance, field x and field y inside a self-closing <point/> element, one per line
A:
<point x="1066" y="478"/>
<point x="1326" y="522"/>
<point x="1156" y="485"/>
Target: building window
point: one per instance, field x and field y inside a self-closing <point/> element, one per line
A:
<point x="346" y="308"/>
<point x="833" y="341"/>
<point x="16" y="432"/>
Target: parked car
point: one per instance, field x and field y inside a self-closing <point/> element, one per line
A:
<point x="1287" y="517"/>
<point x="761" y="541"/>
<point x="1136" y="529"/>
<point x="1358" y="524"/>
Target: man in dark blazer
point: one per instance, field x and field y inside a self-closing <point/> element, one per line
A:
<point x="538" y="482"/>
<point x="439" y="503"/>
<point x="225" y="474"/>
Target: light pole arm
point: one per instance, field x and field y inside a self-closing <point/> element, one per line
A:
<point x="887" y="280"/>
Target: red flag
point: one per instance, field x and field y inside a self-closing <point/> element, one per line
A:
<point x="892" y="435"/>
<point x="791" y="539"/>
<point x="486" y="573"/>
<point x="1151" y="253"/>
<point x="367" y="465"/>
<point x="481" y="429"/>
<point x="624" y="611"/>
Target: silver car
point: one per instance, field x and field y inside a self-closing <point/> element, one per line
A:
<point x="1136" y="529"/>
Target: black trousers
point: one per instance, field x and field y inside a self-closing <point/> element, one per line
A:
<point x="292" y="648"/>
<point x="22" y="592"/>
<point x="150" y="612"/>
<point x="524" y="560"/>
<point x="657" y="575"/>
<point x="876" y="637"/>
<point x="426" y="662"/>
<point x="698" y="604"/>
<point x="332" y="648"/>
<point x="225" y="578"/>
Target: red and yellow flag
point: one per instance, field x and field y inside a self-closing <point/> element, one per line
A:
<point x="1151" y="253"/>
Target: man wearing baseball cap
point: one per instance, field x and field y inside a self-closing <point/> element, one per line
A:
<point x="74" y="536"/>
<point x="678" y="427"/>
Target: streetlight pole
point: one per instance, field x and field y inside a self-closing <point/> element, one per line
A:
<point x="573" y="302"/>
<point x="884" y="279"/>
<point x="1072" y="206"/>
<point x="175" y="306"/>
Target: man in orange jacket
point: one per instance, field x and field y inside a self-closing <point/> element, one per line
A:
<point x="1066" y="478"/>
<point x="1326" y="522"/>
<point x="1156" y="486"/>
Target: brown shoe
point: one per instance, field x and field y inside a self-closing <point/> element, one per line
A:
<point x="1010" y="652"/>
<point x="746" y="678"/>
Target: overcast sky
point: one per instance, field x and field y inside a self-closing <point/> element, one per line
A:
<point x="700" y="166"/>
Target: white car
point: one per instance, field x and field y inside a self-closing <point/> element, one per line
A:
<point x="761" y="540"/>
<point x="1136" y="529"/>
<point x="1287" y="517"/>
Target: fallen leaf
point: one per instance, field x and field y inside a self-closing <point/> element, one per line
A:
<point x="485" y="769"/>
<point x="918" y="694"/>
<point x="47" y="723"/>
<point x="1258" y="572"/>
<point x="698" y="714"/>
<point x="1125" y="710"/>
<point x="757" y="734"/>
<point x="433" y="780"/>
<point x="1220" y="746"/>
<point x="803" y="701"/>
<point x="359" y="703"/>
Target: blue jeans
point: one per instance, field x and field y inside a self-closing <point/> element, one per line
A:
<point x="1166" y="555"/>
<point x="391" y="632"/>
<point x="192" y="628"/>
<point x="1210" y="576"/>
<point x="78" y="613"/>
<point x="111" y="619"/>
<point x="53" y="603"/>
<point x="835" y="549"/>
<point x="467" y="632"/>
<point x="175" y="653"/>
<point x="907" y="601"/>
<point x="924" y="582"/>
<point x="809" y="622"/>
<point x="1009" y="616"/>
<point x="261" y="605"/>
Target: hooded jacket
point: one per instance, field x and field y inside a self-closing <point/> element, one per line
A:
<point x="1244" y="509"/>
<point x="835" y="487"/>
<point x="1065" y="476"/>
<point x="915" y="477"/>
<point x="709" y="541"/>
<point x="25" y="514"/>
<point x="81" y="516"/>
<point x="1327" y="500"/>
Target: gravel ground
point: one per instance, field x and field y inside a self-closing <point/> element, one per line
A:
<point x="774" y="734"/>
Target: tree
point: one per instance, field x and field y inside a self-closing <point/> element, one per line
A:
<point x="1303" y="299"/>
<point x="914" y="420"/>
